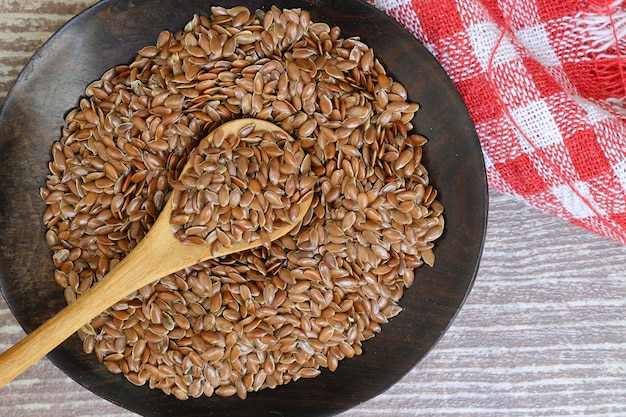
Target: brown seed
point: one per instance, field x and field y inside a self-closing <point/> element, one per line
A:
<point x="226" y="391"/>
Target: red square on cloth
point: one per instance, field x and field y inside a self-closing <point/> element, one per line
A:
<point x="607" y="191"/>
<point x="433" y="24"/>
<point x="579" y="73"/>
<point x="542" y="78"/>
<point x="587" y="156"/>
<point x="521" y="174"/>
<point x="507" y="146"/>
<point x="554" y="10"/>
<point x="616" y="228"/>
<point x="479" y="93"/>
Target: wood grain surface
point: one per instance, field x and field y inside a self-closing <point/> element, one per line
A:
<point x="543" y="332"/>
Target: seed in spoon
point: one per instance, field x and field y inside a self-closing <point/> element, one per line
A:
<point x="206" y="198"/>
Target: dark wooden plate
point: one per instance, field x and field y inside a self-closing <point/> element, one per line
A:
<point x="111" y="32"/>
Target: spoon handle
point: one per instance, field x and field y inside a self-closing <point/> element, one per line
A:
<point x="121" y="281"/>
<point x="158" y="254"/>
<point x="145" y="264"/>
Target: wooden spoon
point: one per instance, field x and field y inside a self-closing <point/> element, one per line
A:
<point x="158" y="254"/>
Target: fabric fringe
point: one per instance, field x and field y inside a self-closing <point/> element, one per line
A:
<point x="601" y="28"/>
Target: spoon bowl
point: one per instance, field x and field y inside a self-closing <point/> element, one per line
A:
<point x="159" y="254"/>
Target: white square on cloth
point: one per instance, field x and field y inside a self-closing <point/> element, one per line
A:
<point x="536" y="40"/>
<point x="620" y="172"/>
<point x="389" y="4"/>
<point x="537" y="124"/>
<point x="572" y="201"/>
<point x="595" y="114"/>
<point x="484" y="38"/>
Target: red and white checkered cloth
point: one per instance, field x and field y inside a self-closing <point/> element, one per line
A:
<point x="545" y="83"/>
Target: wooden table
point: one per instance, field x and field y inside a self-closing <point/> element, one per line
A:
<point x="542" y="333"/>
